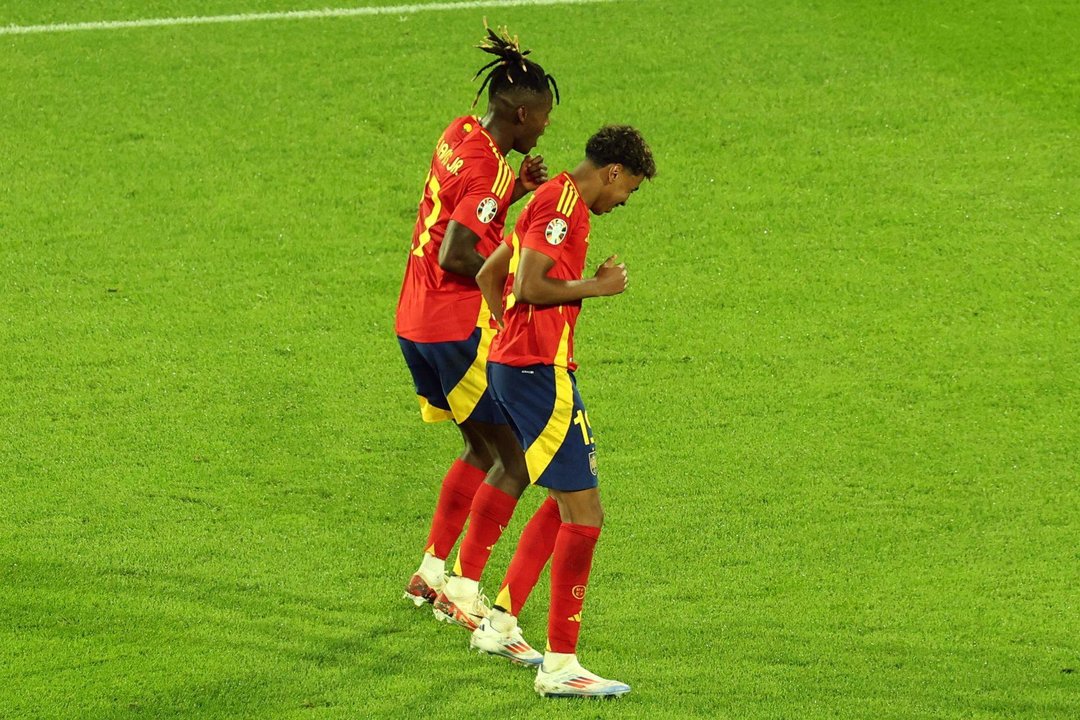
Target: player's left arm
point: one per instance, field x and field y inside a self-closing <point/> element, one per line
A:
<point x="457" y="253"/>
<point x="533" y="174"/>
<point x="472" y="217"/>
<point x="533" y="285"/>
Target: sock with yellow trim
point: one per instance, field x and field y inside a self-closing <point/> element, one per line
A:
<point x="490" y="514"/>
<point x="452" y="510"/>
<point x="570" y="566"/>
<point x="534" y="549"/>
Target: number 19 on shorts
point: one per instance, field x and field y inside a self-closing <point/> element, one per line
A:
<point x="581" y="419"/>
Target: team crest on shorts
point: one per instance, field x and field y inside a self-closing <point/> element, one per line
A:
<point x="485" y="211"/>
<point x="556" y="231"/>
<point x="592" y="462"/>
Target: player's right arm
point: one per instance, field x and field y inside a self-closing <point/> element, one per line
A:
<point x="533" y="285"/>
<point x="492" y="279"/>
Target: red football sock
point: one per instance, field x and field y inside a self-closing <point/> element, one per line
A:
<point x="533" y="551"/>
<point x="570" y="566"/>
<point x="452" y="510"/>
<point x="490" y="514"/>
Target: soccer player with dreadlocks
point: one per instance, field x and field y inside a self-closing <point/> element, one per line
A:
<point x="536" y="274"/>
<point x="443" y="323"/>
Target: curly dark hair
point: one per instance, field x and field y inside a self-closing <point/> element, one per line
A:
<point x="510" y="69"/>
<point x="624" y="145"/>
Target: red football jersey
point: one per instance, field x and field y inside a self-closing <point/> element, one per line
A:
<point x="556" y="223"/>
<point x="471" y="183"/>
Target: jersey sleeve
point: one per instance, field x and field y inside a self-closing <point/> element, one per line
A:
<point x="488" y="184"/>
<point x="548" y="227"/>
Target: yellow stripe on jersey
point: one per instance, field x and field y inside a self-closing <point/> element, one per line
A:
<point x="571" y="201"/>
<point x="483" y="318"/>
<point x="508" y="179"/>
<point x="471" y="387"/>
<point x="562" y="198"/>
<point x="498" y="178"/>
<point x="502" y="177"/>
<point x="567" y="200"/>
<point x="515" y="257"/>
<point x="509" y="301"/>
<point x="542" y="450"/>
<point x="436" y="208"/>
<point x="563" y="353"/>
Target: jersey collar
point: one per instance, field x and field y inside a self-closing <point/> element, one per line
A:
<point x="481" y="128"/>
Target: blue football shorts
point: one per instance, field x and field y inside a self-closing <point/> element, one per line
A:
<point x="450" y="378"/>
<point x="547" y="415"/>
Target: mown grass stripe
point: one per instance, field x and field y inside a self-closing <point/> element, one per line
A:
<point x="285" y="15"/>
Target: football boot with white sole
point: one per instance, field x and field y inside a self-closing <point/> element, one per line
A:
<point x="572" y="680"/>
<point x="510" y="645"/>
<point x="423" y="588"/>
<point x="459" y="605"/>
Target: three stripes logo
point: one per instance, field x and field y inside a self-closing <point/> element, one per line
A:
<point x="567" y="200"/>
<point x="556" y="230"/>
<point x="580" y="682"/>
<point x="517" y="647"/>
<point x="503" y="177"/>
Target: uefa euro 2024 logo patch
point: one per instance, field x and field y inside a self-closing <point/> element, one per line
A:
<point x="556" y="231"/>
<point x="486" y="210"/>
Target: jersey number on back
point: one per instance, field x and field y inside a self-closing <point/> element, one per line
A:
<point x="436" y="207"/>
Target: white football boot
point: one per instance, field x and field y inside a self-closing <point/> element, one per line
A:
<point x="427" y="582"/>
<point x="499" y="634"/>
<point x="423" y="588"/>
<point x="563" y="676"/>
<point x="461" y="603"/>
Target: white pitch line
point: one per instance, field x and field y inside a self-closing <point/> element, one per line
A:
<point x="290" y="15"/>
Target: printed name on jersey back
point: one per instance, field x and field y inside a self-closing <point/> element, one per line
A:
<point x="445" y="154"/>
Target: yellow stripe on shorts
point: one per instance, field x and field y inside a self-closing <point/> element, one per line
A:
<point x="473" y="384"/>
<point x="542" y="450"/>
<point x="431" y="414"/>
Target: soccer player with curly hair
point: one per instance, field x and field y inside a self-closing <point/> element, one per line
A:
<point x="534" y="284"/>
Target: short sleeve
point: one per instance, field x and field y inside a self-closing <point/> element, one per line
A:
<point x="547" y="231"/>
<point x="488" y="186"/>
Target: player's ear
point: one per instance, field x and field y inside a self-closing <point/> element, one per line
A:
<point x="522" y="114"/>
<point x="613" y="171"/>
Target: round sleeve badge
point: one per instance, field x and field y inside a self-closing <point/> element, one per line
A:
<point x="556" y="231"/>
<point x="486" y="210"/>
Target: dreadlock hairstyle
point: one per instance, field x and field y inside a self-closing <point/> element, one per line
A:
<point x="624" y="145"/>
<point x="510" y="69"/>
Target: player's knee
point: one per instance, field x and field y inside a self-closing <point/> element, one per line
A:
<point x="515" y="467"/>
<point x="477" y="451"/>
<point x="477" y="455"/>
<point x="507" y="482"/>
<point x="580" y="510"/>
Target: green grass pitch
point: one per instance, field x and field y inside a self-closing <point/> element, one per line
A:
<point x="837" y="410"/>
